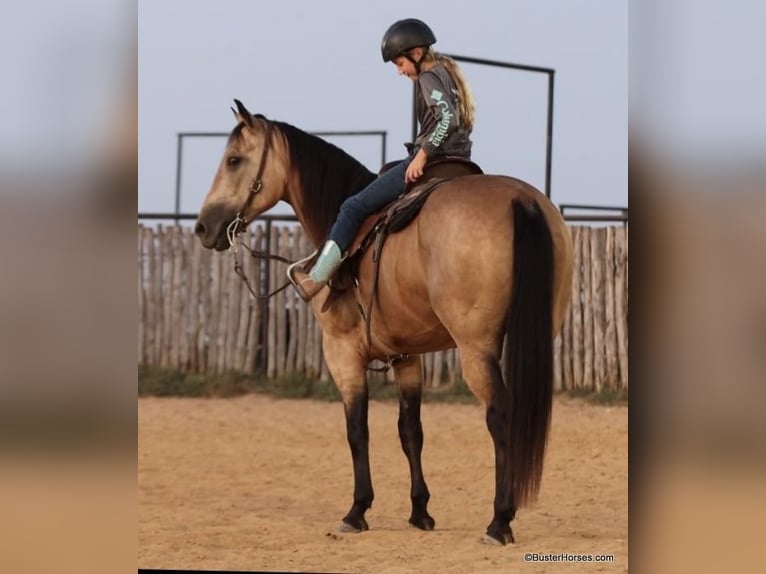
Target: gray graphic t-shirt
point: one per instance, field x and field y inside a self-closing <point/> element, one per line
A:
<point x="439" y="115"/>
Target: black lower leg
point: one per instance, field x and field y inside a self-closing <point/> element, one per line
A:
<point x="411" y="436"/>
<point x="504" y="507"/>
<point x="358" y="439"/>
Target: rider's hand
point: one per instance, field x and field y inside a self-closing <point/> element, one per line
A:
<point x="415" y="169"/>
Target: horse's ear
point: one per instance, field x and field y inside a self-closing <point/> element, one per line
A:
<point x="242" y="114"/>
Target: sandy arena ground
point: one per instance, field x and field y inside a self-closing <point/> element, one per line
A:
<point x="255" y="483"/>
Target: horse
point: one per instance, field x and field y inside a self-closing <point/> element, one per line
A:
<point x="486" y="266"/>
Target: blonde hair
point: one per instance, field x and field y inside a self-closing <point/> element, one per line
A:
<point x="465" y="96"/>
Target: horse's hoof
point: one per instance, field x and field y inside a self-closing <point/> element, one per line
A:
<point x="499" y="539"/>
<point x="423" y="522"/>
<point x="490" y="541"/>
<point x="347" y="527"/>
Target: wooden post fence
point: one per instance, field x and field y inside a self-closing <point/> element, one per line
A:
<point x="196" y="315"/>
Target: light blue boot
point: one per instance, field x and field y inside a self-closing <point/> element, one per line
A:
<point x="309" y="284"/>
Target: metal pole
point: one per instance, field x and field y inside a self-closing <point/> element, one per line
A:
<point x="383" y="145"/>
<point x="496" y="63"/>
<point x="265" y="302"/>
<point x="549" y="145"/>
<point x="179" y="151"/>
<point x="268" y="219"/>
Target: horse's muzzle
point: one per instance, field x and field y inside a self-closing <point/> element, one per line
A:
<point x="211" y="236"/>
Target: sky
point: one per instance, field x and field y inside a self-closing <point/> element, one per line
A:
<point x="317" y="65"/>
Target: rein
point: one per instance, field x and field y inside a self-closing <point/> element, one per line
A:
<point x="239" y="224"/>
<point x="233" y="249"/>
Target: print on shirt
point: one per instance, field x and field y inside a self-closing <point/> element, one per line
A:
<point x="440" y="133"/>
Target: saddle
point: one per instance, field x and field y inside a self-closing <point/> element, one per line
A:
<point x="397" y="215"/>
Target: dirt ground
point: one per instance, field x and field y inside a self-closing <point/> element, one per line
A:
<point x="255" y="483"/>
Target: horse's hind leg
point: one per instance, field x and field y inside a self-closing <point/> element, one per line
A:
<point x="481" y="371"/>
<point x="409" y="380"/>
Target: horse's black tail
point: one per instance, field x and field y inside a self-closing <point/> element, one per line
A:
<point x="529" y="351"/>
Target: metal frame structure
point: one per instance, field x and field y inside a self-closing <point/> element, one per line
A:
<point x="622" y="214"/>
<point x="621" y="217"/>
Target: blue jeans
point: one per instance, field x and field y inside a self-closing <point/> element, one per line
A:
<point x="385" y="189"/>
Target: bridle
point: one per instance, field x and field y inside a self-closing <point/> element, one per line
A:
<point x="255" y="186"/>
<point x="239" y="223"/>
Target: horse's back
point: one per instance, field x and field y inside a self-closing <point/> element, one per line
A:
<point x="453" y="266"/>
<point x="472" y="218"/>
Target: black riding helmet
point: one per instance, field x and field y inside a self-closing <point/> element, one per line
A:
<point x="404" y="35"/>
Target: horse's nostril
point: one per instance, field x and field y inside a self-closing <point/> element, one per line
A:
<point x="199" y="229"/>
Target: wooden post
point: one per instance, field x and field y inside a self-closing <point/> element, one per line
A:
<point x="171" y="288"/>
<point x="311" y="369"/>
<point x="451" y="366"/>
<point x="457" y="366"/>
<point x="254" y="331"/>
<point x="179" y="280"/>
<point x="151" y="309"/>
<point x="223" y="317"/>
<point x="566" y="329"/>
<point x="280" y="299"/>
<point x="193" y="306"/>
<point x="234" y="316"/>
<point x="167" y="296"/>
<point x="292" y="250"/>
<point x="305" y="314"/>
<point x="203" y="335"/>
<point x="587" y="240"/>
<point x="438" y="369"/>
<point x="610" y="336"/>
<point x="301" y="333"/>
<point x="272" y="361"/>
<point x="181" y="297"/>
<point x="597" y="285"/>
<point x="214" y="297"/>
<point x="621" y="309"/>
<point x="577" y="318"/>
<point x="566" y="350"/>
<point x="243" y="315"/>
<point x="428" y="369"/>
<point x="141" y="298"/>
<point x="557" y="384"/>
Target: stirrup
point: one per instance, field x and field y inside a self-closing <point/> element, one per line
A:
<point x="298" y="265"/>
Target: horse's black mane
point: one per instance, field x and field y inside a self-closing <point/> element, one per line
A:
<point x="328" y="174"/>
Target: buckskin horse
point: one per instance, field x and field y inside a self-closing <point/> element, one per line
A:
<point x="486" y="266"/>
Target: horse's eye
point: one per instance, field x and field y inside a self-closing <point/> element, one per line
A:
<point x="233" y="160"/>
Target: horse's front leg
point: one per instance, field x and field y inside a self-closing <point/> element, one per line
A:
<point x="409" y="381"/>
<point x="348" y="371"/>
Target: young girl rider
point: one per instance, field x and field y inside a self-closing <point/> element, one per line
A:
<point x="444" y="107"/>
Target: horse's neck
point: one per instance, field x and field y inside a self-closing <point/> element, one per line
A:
<point x="314" y="231"/>
<point x="317" y="193"/>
